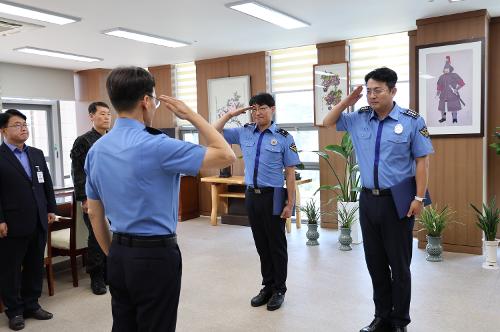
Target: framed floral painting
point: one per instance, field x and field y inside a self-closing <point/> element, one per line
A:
<point x="331" y="84"/>
<point x="227" y="94"/>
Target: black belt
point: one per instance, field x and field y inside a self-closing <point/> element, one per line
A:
<point x="145" y="241"/>
<point x="262" y="190"/>
<point x="378" y="192"/>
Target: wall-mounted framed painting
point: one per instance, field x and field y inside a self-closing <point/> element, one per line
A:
<point x="227" y="94"/>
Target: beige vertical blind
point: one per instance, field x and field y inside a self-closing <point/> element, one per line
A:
<point x="292" y="68"/>
<point x="184" y="86"/>
<point x="373" y="52"/>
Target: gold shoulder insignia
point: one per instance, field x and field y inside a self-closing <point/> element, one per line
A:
<point x="424" y="132"/>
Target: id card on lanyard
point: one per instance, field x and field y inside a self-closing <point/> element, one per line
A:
<point x="39" y="175"/>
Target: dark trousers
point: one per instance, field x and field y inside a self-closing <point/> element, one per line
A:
<point x="21" y="272"/>
<point x="145" y="285"/>
<point x="96" y="259"/>
<point x="270" y="240"/>
<point x="388" y="244"/>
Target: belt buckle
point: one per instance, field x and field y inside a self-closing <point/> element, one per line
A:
<point x="375" y="192"/>
<point x="256" y="191"/>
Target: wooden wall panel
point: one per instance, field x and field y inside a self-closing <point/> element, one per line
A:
<point x="247" y="64"/>
<point x="456" y="168"/>
<point x="330" y="53"/>
<point x="163" y="79"/>
<point x="494" y="109"/>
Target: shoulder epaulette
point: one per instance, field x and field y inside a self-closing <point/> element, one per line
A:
<point x="153" y="131"/>
<point x="365" y="109"/>
<point x="249" y="124"/>
<point x="282" y="132"/>
<point x="411" y="113"/>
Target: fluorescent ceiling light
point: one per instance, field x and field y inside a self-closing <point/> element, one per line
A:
<point x="15" y="9"/>
<point x="265" y="13"/>
<point x="56" y="54"/>
<point x="143" y="37"/>
<point x="455" y="0"/>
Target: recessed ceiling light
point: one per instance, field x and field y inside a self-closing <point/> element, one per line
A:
<point x="57" y="54"/>
<point x="144" y="37"/>
<point x="268" y="14"/>
<point x="15" y="9"/>
<point x="455" y="0"/>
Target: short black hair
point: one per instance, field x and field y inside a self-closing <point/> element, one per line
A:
<point x="127" y="85"/>
<point x="5" y="116"/>
<point x="94" y="105"/>
<point x="262" y="98"/>
<point x="383" y="74"/>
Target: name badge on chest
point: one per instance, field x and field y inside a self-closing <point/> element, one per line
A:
<point x="39" y="175"/>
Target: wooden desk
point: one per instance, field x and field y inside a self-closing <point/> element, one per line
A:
<point x="217" y="191"/>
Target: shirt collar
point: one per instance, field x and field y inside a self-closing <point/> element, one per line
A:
<point x="394" y="114"/>
<point x="128" y="123"/>
<point x="14" y="148"/>
<point x="271" y="128"/>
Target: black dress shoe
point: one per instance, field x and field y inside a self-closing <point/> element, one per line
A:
<point x="377" y="325"/>
<point x="276" y="301"/>
<point x="399" y="329"/>
<point x="262" y="298"/>
<point x="16" y="323"/>
<point x="455" y="121"/>
<point x="442" y="120"/>
<point x="39" y="314"/>
<point x="98" y="286"/>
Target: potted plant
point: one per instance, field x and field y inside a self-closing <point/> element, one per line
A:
<point x="434" y="222"/>
<point x="347" y="187"/>
<point x="496" y="146"/>
<point x="488" y="220"/>
<point x="312" y="212"/>
<point x="347" y="217"/>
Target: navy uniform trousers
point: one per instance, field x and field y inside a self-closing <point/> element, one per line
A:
<point x="96" y="259"/>
<point x="387" y="242"/>
<point x="270" y="240"/>
<point x="145" y="283"/>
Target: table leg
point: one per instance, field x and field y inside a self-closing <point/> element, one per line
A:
<point x="215" y="203"/>
<point x="297" y="207"/>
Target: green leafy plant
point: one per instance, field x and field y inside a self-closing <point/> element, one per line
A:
<point x="312" y="211"/>
<point x="348" y="186"/>
<point x="434" y="221"/>
<point x="346" y="216"/>
<point x="488" y="219"/>
<point x="496" y="146"/>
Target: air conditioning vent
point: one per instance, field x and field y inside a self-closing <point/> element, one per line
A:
<point x="9" y="27"/>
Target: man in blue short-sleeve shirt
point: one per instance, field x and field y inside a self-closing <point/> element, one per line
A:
<point x="267" y="150"/>
<point x="392" y="144"/>
<point x="133" y="176"/>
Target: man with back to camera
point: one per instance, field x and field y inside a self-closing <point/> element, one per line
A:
<point x="100" y="116"/>
<point x="27" y="206"/>
<point x="267" y="150"/>
<point x="133" y="178"/>
<point x="391" y="144"/>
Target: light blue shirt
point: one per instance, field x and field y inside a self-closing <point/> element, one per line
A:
<point x="403" y="137"/>
<point x="135" y="174"/>
<point x="22" y="156"/>
<point x="265" y="154"/>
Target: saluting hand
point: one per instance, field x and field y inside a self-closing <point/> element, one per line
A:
<point x="3" y="230"/>
<point x="240" y="111"/>
<point x="354" y="96"/>
<point x="415" y="208"/>
<point x="177" y="107"/>
<point x="287" y="212"/>
<point x="51" y="217"/>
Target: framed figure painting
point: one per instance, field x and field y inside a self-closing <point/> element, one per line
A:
<point x="227" y="94"/>
<point x="331" y="84"/>
<point x="450" y="87"/>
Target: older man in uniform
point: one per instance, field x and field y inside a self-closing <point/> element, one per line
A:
<point x="391" y="143"/>
<point x="133" y="176"/>
<point x="267" y="150"/>
<point x="100" y="116"/>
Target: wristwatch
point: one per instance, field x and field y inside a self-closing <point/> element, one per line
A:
<point x="420" y="199"/>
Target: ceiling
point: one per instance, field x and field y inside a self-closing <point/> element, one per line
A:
<point x="213" y="29"/>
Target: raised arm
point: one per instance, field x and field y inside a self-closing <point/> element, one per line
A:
<point x="219" y="125"/>
<point x="332" y="116"/>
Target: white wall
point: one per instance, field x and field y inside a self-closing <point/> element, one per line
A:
<point x="36" y="82"/>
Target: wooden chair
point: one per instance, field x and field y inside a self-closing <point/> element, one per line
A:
<point x="68" y="235"/>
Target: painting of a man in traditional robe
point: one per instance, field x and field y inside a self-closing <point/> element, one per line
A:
<point x="448" y="86"/>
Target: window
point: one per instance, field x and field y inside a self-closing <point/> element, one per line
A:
<point x="68" y="135"/>
<point x="391" y="51"/>
<point x="292" y="87"/>
<point x="184" y="86"/>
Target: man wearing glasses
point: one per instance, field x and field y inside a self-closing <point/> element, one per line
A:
<point x="133" y="178"/>
<point x="27" y="205"/>
<point x="267" y="150"/>
<point x="392" y="144"/>
<point x="100" y="116"/>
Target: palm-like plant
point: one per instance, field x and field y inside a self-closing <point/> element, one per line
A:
<point x="346" y="216"/>
<point x="496" y="145"/>
<point x="488" y="219"/>
<point x="312" y="211"/>
<point x="434" y="221"/>
<point x="347" y="187"/>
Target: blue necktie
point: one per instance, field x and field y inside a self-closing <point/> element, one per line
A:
<point x="377" y="154"/>
<point x="256" y="167"/>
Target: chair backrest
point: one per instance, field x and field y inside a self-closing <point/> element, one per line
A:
<point x="69" y="207"/>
